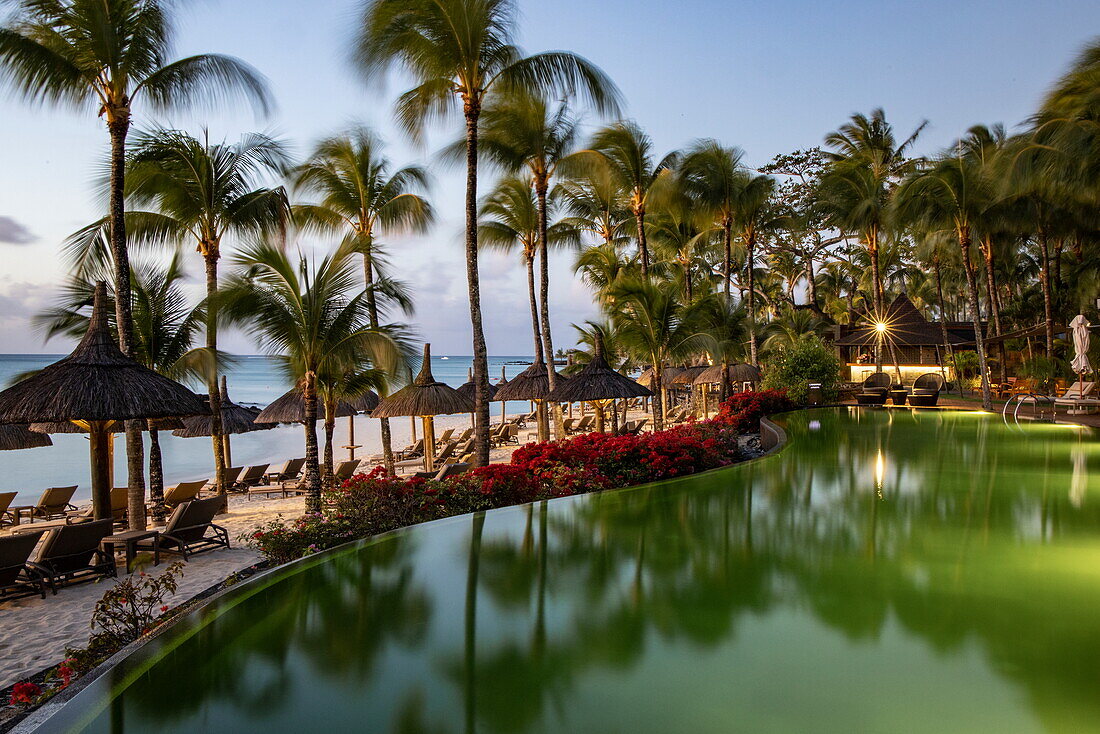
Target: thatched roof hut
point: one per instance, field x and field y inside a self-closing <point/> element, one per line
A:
<point x="96" y="385"/>
<point x="668" y="374"/>
<point x="425" y="396"/>
<point x="290" y="407"/>
<point x="158" y="424"/>
<point x="737" y="373"/>
<point x="235" y="419"/>
<point x="468" y="388"/>
<point x="531" y="384"/>
<point x="685" y="376"/>
<point x="597" y="382"/>
<point x="366" y="402"/>
<point x="17" y="436"/>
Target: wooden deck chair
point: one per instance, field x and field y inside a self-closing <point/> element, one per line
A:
<point x="182" y="492"/>
<point x="55" y="502"/>
<point x="72" y="553"/>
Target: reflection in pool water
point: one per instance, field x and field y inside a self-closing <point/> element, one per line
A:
<point x="889" y="571"/>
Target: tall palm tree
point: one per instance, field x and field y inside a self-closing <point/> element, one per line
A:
<point x="952" y="193"/>
<point x="510" y="219"/>
<point x="714" y="177"/>
<point x="628" y="152"/>
<point x="865" y="164"/>
<point x="722" y="329"/>
<point x="601" y="268"/>
<point x="361" y="195"/>
<point x="682" y="234"/>
<point x="655" y="326"/>
<point x="315" y="318"/>
<point x="753" y="213"/>
<point x="107" y="55"/>
<point x="463" y="51"/>
<point x="596" y="204"/>
<point x="166" y="327"/>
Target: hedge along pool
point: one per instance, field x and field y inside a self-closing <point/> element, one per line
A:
<point x="887" y="571"/>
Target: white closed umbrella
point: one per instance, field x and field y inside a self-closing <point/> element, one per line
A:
<point x="1080" y="328"/>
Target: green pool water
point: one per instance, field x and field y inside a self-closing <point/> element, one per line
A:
<point x="888" y="571"/>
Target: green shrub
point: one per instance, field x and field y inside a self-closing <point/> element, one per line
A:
<point x="811" y="360"/>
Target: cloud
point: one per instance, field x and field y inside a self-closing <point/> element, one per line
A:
<point x="15" y="233"/>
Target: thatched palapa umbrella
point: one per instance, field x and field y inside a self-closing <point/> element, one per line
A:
<point x="737" y="373"/>
<point x="95" y="387"/>
<point x="531" y="384"/>
<point x="468" y="388"/>
<point x="290" y="407"/>
<point x="236" y="419"/>
<point x="16" y="437"/>
<point x="425" y="398"/>
<point x="598" y="384"/>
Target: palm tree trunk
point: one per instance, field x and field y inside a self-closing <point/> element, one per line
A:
<point x="118" y="125"/>
<point x="211" y="255"/>
<point x="658" y="396"/>
<point x="972" y="292"/>
<point x="385" y="433"/>
<point x="943" y="321"/>
<point x="156" y="476"/>
<point x="878" y="295"/>
<point x="1048" y="304"/>
<point x="312" y="477"/>
<point x="643" y="248"/>
<point x="541" y="422"/>
<point x="330" y="429"/>
<point x="687" y="283"/>
<point x="986" y="246"/>
<point x="600" y="420"/>
<point x="727" y="254"/>
<point x="750" y="247"/>
<point x="481" y="360"/>
<point x="541" y="186"/>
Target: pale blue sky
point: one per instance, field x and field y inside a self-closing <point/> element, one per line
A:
<point x="767" y="76"/>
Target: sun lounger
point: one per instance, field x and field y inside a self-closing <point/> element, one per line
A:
<point x="413" y="449"/>
<point x="584" y="426"/>
<point x="17" y="577"/>
<point x="447" y="470"/>
<point x="345" y="470"/>
<point x="6" y="498"/>
<point x="191" y="529"/>
<point x="442" y="440"/>
<point x="182" y="492"/>
<point x="508" y="434"/>
<point x="287" y="473"/>
<point x="54" y="503"/>
<point x="251" y="476"/>
<point x="72" y="553"/>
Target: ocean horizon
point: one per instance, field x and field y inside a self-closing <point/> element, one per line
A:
<point x="253" y="380"/>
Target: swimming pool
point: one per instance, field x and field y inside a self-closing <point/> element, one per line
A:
<point x="887" y="571"/>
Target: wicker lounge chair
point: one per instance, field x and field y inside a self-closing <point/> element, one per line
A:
<point x="231" y="474"/>
<point x="506" y="435"/>
<point x="55" y="502"/>
<point x="442" y="440"/>
<point x="413" y="449"/>
<point x="251" y="476"/>
<point x="182" y="492"/>
<point x="926" y="390"/>
<point x="6" y="498"/>
<point x="875" y="389"/>
<point x="288" y="473"/>
<point x="345" y="470"/>
<point x="187" y="529"/>
<point x="17" y="578"/>
<point x="72" y="553"/>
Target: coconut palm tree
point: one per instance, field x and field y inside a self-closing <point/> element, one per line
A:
<point x="196" y="192"/>
<point x="627" y="151"/>
<point x="596" y="204"/>
<point x="313" y="317"/>
<point x="754" y="213"/>
<point x="107" y="56"/>
<point x="166" y="326"/>
<point x="362" y="196"/>
<point x="683" y="234"/>
<point x="462" y="51"/>
<point x="714" y="177"/>
<point x="601" y="267"/>
<point x="722" y="331"/>
<point x="865" y="163"/>
<point x="654" y="326"/>
<point x="952" y="193"/>
<point x="511" y="219"/>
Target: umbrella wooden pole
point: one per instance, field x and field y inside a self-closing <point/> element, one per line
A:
<point x="429" y="443"/>
<point x="227" y="450"/>
<point x="597" y="408"/>
<point x="100" y="455"/>
<point x="412" y="422"/>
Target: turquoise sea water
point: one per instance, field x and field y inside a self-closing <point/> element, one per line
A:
<point x="252" y="381"/>
<point x="887" y="571"/>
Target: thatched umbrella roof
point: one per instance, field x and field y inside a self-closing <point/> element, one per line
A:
<point x="366" y="402"/>
<point x="597" y="381"/>
<point x="97" y="382"/>
<point x="18" y="436"/>
<point x="646" y="378"/>
<point x="468" y="388"/>
<point x="159" y="424"/>
<point x="235" y="419"/>
<point x="290" y="407"/>
<point x="531" y="384"/>
<point x="668" y="374"/>
<point x="737" y="373"/>
<point x="425" y="396"/>
<point x="685" y="376"/>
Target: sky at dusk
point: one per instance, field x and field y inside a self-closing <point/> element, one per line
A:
<point x="769" y="77"/>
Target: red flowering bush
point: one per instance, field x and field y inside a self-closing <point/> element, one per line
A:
<point x="368" y="504"/>
<point x="25" y="693"/>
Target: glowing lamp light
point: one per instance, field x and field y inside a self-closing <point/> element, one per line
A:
<point x="880" y="327"/>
